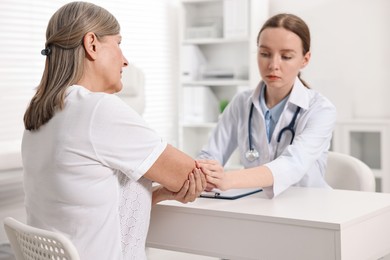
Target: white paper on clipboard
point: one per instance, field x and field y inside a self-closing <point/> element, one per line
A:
<point x="229" y="194"/>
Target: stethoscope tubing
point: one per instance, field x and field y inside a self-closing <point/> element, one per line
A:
<point x="250" y="128"/>
<point x="289" y="127"/>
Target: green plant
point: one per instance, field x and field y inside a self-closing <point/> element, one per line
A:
<point x="222" y="105"/>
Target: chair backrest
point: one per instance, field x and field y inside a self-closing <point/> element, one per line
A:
<point x="30" y="243"/>
<point x="348" y="173"/>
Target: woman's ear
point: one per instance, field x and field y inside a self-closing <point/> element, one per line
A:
<point x="90" y="42"/>
<point x="306" y="59"/>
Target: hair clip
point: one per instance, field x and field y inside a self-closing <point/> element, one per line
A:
<point x="46" y="51"/>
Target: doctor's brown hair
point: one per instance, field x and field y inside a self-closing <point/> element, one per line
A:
<point x="293" y="24"/>
<point x="65" y="56"/>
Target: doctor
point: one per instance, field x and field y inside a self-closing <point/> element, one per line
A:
<point x="283" y="128"/>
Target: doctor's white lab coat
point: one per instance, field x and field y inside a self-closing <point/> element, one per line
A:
<point x="303" y="162"/>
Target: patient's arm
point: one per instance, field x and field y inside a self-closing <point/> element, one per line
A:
<point x="171" y="169"/>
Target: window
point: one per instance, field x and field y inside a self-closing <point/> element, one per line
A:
<point x="148" y="30"/>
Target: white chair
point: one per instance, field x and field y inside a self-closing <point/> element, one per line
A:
<point x="348" y="173"/>
<point x="30" y="243"/>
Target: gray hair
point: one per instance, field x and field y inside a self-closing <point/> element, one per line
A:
<point x="65" y="54"/>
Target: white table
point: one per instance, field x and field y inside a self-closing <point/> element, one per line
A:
<point x="302" y="223"/>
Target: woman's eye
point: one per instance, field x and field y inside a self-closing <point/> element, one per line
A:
<point x="286" y="57"/>
<point x="264" y="54"/>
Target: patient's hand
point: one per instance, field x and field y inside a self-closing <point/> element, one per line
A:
<point x="190" y="190"/>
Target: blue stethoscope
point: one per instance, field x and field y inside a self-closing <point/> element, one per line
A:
<point x="252" y="154"/>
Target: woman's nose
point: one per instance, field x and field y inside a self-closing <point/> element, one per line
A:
<point x="274" y="63"/>
<point x="125" y="62"/>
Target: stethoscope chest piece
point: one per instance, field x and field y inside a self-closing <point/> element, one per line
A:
<point x="251" y="155"/>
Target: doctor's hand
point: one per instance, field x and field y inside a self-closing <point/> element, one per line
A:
<point x="215" y="175"/>
<point x="190" y="190"/>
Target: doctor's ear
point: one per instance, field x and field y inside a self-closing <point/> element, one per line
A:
<point x="306" y="59"/>
<point x="90" y="42"/>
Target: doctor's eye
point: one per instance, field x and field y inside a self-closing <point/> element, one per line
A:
<point x="264" y="54"/>
<point x="285" y="57"/>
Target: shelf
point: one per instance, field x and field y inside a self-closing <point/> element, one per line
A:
<point x="364" y="122"/>
<point x="368" y="140"/>
<point x="199" y="125"/>
<point x="215" y="64"/>
<point x="378" y="173"/>
<point x="226" y="82"/>
<point x="199" y="1"/>
<point x="214" y="40"/>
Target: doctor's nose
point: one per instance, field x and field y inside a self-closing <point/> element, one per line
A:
<point x="274" y="63"/>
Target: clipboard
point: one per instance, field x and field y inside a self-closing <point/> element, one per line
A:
<point x="231" y="194"/>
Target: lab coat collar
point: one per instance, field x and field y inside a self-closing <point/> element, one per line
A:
<point x="299" y="96"/>
<point x="255" y="97"/>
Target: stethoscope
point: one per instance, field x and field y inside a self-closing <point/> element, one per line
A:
<point x="252" y="154"/>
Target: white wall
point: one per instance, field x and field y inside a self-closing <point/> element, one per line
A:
<point x="350" y="52"/>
